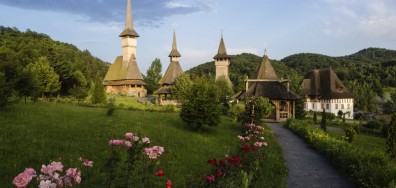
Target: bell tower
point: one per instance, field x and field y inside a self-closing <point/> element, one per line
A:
<point x="129" y="38"/>
<point x="222" y="63"/>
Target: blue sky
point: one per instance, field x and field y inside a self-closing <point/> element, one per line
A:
<point x="283" y="27"/>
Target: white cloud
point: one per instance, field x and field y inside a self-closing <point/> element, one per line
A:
<point x="173" y="4"/>
<point x="368" y="19"/>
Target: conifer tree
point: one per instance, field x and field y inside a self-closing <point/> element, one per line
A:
<point x="323" y="123"/>
<point x="98" y="95"/>
<point x="315" y="118"/>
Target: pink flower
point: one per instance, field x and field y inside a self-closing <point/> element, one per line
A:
<point x="128" y="144"/>
<point x="116" y="142"/>
<point x="74" y="174"/>
<point x="88" y="163"/>
<point x="135" y="138"/>
<point x="247" y="138"/>
<point x="241" y="138"/>
<point x="169" y="184"/>
<point x="24" y="178"/>
<point x="47" y="184"/>
<point x="210" y="178"/>
<point x="128" y="135"/>
<point x="258" y="144"/>
<point x="154" y="152"/>
<point x="145" y="140"/>
<point x="51" y="168"/>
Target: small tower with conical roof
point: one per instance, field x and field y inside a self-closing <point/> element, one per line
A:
<point x="124" y="76"/>
<point x="172" y="73"/>
<point x="222" y="63"/>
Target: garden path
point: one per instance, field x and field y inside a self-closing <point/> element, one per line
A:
<point x="307" y="168"/>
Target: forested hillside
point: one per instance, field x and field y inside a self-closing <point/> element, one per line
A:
<point x="365" y="73"/>
<point x="19" y="51"/>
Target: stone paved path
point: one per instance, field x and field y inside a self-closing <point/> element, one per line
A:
<point x="307" y="168"/>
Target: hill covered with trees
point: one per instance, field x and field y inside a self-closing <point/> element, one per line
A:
<point x="24" y="54"/>
<point x="366" y="72"/>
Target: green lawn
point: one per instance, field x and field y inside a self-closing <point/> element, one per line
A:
<point x="366" y="142"/>
<point x="37" y="133"/>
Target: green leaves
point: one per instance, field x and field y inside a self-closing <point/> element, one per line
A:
<point x="46" y="78"/>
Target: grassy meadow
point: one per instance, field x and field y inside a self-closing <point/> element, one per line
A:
<point x="33" y="134"/>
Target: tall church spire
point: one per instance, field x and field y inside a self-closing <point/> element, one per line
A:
<point x="174" y="52"/>
<point x="221" y="53"/>
<point x="129" y="31"/>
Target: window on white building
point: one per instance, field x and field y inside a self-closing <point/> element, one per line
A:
<point x="336" y="106"/>
<point x="349" y="106"/>
<point x="342" y="106"/>
<point x="327" y="106"/>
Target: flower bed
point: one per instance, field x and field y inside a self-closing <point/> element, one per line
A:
<point x="364" y="168"/>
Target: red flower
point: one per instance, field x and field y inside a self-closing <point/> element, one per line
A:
<point x="169" y="184"/>
<point x="222" y="163"/>
<point x="245" y="148"/>
<point x="235" y="160"/>
<point x="159" y="172"/>
<point x="219" y="173"/>
<point x="212" y="161"/>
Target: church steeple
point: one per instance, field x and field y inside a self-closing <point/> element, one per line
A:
<point x="174" y="54"/>
<point x="129" y="31"/>
<point x="129" y="38"/>
<point x="222" y="63"/>
<point x="222" y="52"/>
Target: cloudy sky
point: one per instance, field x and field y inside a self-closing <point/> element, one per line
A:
<point x="283" y="27"/>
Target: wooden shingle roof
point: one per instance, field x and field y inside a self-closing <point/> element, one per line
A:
<point x="269" y="89"/>
<point x="116" y="72"/>
<point x="325" y="84"/>
<point x="129" y="31"/>
<point x="266" y="71"/>
<point x="172" y="73"/>
<point x="174" y="52"/>
<point x="221" y="53"/>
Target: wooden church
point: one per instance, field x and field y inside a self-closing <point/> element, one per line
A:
<point x="268" y="85"/>
<point x="124" y="76"/>
<point x="169" y="79"/>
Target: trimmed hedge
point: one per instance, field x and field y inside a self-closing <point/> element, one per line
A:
<point x="364" y="168"/>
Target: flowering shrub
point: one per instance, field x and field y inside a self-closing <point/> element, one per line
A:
<point x="133" y="163"/>
<point x="239" y="169"/>
<point x="50" y="176"/>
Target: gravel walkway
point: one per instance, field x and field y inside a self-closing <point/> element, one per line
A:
<point x="307" y="168"/>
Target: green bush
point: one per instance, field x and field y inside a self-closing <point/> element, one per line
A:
<point x="350" y="134"/>
<point x="235" y="112"/>
<point x="391" y="138"/>
<point x="364" y="168"/>
<point x="323" y="123"/>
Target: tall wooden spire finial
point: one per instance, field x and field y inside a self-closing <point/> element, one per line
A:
<point x="129" y="31"/>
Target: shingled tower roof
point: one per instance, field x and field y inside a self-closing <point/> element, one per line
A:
<point x="174" y="52"/>
<point x="129" y="31"/>
<point x="116" y="73"/>
<point x="266" y="71"/>
<point x="221" y="53"/>
<point x="324" y="83"/>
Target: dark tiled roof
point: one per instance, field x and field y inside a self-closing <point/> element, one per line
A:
<point x="221" y="53"/>
<point x="174" y="52"/>
<point x="268" y="89"/>
<point x="116" y="72"/>
<point x="266" y="71"/>
<point x="129" y="31"/>
<point x="325" y="84"/>
<point x="172" y="73"/>
<point x="163" y="90"/>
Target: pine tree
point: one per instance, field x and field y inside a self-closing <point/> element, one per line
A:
<point x="98" y="94"/>
<point x="323" y="123"/>
<point x="46" y="78"/>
